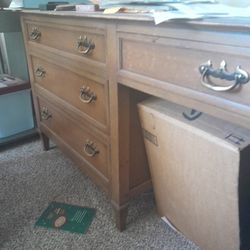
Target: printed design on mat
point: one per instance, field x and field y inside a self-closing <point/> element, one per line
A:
<point x="66" y="217"/>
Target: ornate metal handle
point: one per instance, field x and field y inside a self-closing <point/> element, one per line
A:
<point x="35" y="34"/>
<point x="40" y="72"/>
<point x="86" y="95"/>
<point x="90" y="148"/>
<point x="239" y="76"/>
<point x="84" y="45"/>
<point x="45" y="115"/>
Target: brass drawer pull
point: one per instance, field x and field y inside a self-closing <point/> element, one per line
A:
<point x="84" y="45"/>
<point x="45" y="115"/>
<point x="35" y="34"/>
<point x="90" y="148"/>
<point x="239" y="76"/>
<point x="86" y="95"/>
<point x="40" y="72"/>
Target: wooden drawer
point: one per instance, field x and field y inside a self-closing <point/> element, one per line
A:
<point x="83" y="41"/>
<point x="84" y="94"/>
<point x="85" y="143"/>
<point x="177" y="61"/>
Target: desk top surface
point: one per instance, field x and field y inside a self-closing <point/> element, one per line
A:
<point x="219" y="22"/>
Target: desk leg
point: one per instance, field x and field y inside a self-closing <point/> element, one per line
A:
<point x="121" y="213"/>
<point x="130" y="174"/>
<point x="120" y="154"/>
<point x="45" y="141"/>
<point x="119" y="134"/>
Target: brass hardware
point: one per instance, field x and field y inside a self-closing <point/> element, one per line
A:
<point x="239" y="76"/>
<point x="86" y="95"/>
<point x="85" y="45"/>
<point x="45" y="115"/>
<point x="40" y="72"/>
<point x="90" y="148"/>
<point x="35" y="34"/>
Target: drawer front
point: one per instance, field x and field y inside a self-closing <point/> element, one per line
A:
<point x="91" y="149"/>
<point x="88" y="43"/>
<point x="84" y="94"/>
<point x="177" y="62"/>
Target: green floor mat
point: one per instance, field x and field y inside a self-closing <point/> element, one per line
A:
<point x="66" y="217"/>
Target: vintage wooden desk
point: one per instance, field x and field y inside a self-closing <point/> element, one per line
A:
<point x="88" y="72"/>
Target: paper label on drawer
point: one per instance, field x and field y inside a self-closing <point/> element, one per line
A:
<point x="150" y="137"/>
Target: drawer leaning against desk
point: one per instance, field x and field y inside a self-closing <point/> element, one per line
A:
<point x="85" y="95"/>
<point x="207" y="68"/>
<point x="91" y="147"/>
<point x="87" y="41"/>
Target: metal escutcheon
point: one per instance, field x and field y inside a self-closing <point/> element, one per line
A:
<point x="40" y="72"/>
<point x="237" y="78"/>
<point x="90" y="148"/>
<point x="86" y="95"/>
<point x="35" y="34"/>
<point x="45" y="115"/>
<point x="85" y="45"/>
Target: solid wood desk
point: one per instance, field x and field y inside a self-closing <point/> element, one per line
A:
<point x="89" y="71"/>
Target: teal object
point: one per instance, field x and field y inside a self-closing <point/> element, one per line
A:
<point x="36" y="3"/>
<point x="9" y="21"/>
<point x="16" y="55"/>
<point x="16" y="114"/>
<point x="33" y="3"/>
<point x="66" y="217"/>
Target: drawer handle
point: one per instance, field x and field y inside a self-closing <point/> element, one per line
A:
<point x="90" y="148"/>
<point x="86" y="95"/>
<point x="84" y="45"/>
<point x="239" y="76"/>
<point x="45" y="115"/>
<point x="35" y="34"/>
<point x="40" y="72"/>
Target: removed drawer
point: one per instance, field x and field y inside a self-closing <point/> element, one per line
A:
<point x="86" y="144"/>
<point x="90" y="43"/>
<point x="190" y="64"/>
<point x="84" y="94"/>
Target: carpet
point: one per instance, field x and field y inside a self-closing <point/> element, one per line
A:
<point x="31" y="178"/>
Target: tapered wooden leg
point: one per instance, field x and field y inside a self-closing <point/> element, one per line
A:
<point x="121" y="213"/>
<point x="45" y="142"/>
